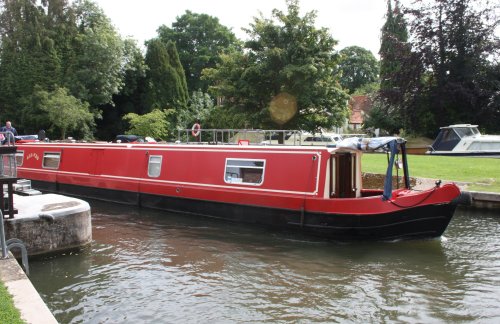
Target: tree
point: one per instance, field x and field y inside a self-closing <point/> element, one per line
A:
<point x="457" y="48"/>
<point x="200" y="39"/>
<point x="393" y="46"/>
<point x="181" y="86"/>
<point x="396" y="62"/>
<point x="199" y="108"/>
<point x="129" y="99"/>
<point x="358" y="68"/>
<point x="65" y="112"/>
<point x="285" y="77"/>
<point x="164" y="77"/>
<point x="371" y="88"/>
<point x="154" y="124"/>
<point x="45" y="45"/>
<point x="95" y="74"/>
<point x="379" y="118"/>
<point x="26" y="54"/>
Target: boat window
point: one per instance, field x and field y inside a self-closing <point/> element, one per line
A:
<point x="446" y="140"/>
<point x="19" y="158"/>
<point x="244" y="171"/>
<point x="450" y="135"/>
<point x="154" y="166"/>
<point x="51" y="160"/>
<point x="484" y="146"/>
<point x="466" y="131"/>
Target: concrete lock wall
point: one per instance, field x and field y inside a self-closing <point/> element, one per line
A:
<point x="50" y="223"/>
<point x="45" y="234"/>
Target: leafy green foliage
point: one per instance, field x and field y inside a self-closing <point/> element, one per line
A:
<point x="393" y="46"/>
<point x="65" y="112"/>
<point x="456" y="43"/>
<point x="358" y="68"/>
<point x="199" y="109"/>
<point x="96" y="71"/>
<point x="23" y="42"/>
<point x="130" y="97"/>
<point x="382" y="117"/>
<point x="55" y="44"/>
<point x="181" y="85"/>
<point x="200" y="39"/>
<point x="285" y="54"/>
<point x="165" y="81"/>
<point x="154" y="124"/>
<point x="367" y="89"/>
<point x="227" y="117"/>
<point x="451" y="75"/>
<point x="395" y="61"/>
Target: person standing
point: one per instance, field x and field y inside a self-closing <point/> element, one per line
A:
<point x="8" y="128"/>
<point x="8" y="133"/>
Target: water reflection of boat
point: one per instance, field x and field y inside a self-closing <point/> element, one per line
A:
<point x="315" y="190"/>
<point x="465" y="140"/>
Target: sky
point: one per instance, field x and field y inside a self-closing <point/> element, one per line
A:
<point x="351" y="22"/>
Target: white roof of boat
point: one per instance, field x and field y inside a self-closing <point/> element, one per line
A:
<point x="458" y="125"/>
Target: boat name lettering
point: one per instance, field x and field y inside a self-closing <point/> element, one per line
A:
<point x="33" y="155"/>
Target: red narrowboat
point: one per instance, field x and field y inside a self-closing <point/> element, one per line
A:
<point x="315" y="190"/>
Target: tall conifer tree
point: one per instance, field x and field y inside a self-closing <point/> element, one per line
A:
<point x="165" y="80"/>
<point x="395" y="55"/>
<point x="393" y="45"/>
<point x="181" y="85"/>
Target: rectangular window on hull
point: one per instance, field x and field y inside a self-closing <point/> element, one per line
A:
<point x="19" y="158"/>
<point x="478" y="146"/>
<point x="154" y="166"/>
<point x="244" y="171"/>
<point x="51" y="160"/>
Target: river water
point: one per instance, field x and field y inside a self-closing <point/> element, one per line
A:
<point x="148" y="266"/>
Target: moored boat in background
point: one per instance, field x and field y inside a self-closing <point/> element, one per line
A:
<point x="315" y="190"/>
<point x="465" y="140"/>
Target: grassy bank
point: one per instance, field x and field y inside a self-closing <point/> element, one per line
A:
<point x="480" y="174"/>
<point x="8" y="313"/>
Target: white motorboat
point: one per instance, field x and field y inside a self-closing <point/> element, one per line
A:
<point x="465" y="140"/>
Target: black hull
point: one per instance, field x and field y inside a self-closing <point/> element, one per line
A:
<point x="412" y="223"/>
